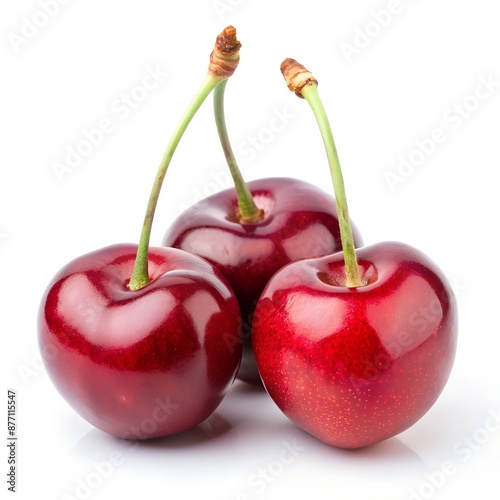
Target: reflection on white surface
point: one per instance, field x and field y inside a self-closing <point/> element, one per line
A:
<point x="259" y="450"/>
<point x="249" y="449"/>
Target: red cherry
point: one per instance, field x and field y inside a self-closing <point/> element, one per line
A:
<point x="144" y="338"/>
<point x="140" y="363"/>
<point x="354" y="366"/>
<point x="354" y="347"/>
<point x="298" y="221"/>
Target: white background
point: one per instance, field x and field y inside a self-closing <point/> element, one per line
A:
<point x="383" y="92"/>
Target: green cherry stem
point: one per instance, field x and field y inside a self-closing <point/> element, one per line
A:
<point x="223" y="62"/>
<point x="249" y="212"/>
<point x="302" y="82"/>
<point x="140" y="274"/>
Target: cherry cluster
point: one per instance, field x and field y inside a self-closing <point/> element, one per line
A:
<point x="268" y="282"/>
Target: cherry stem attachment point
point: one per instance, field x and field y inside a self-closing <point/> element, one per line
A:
<point x="223" y="62"/>
<point x="249" y="212"/>
<point x="302" y="82"/>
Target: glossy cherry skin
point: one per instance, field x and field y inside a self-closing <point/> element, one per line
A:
<point x="146" y="363"/>
<point x="299" y="221"/>
<point x="354" y="366"/>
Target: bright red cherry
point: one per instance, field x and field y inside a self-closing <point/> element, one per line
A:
<point x="354" y="347"/>
<point x="298" y="221"/>
<point x="142" y="340"/>
<point x="354" y="366"/>
<point x="140" y="363"/>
